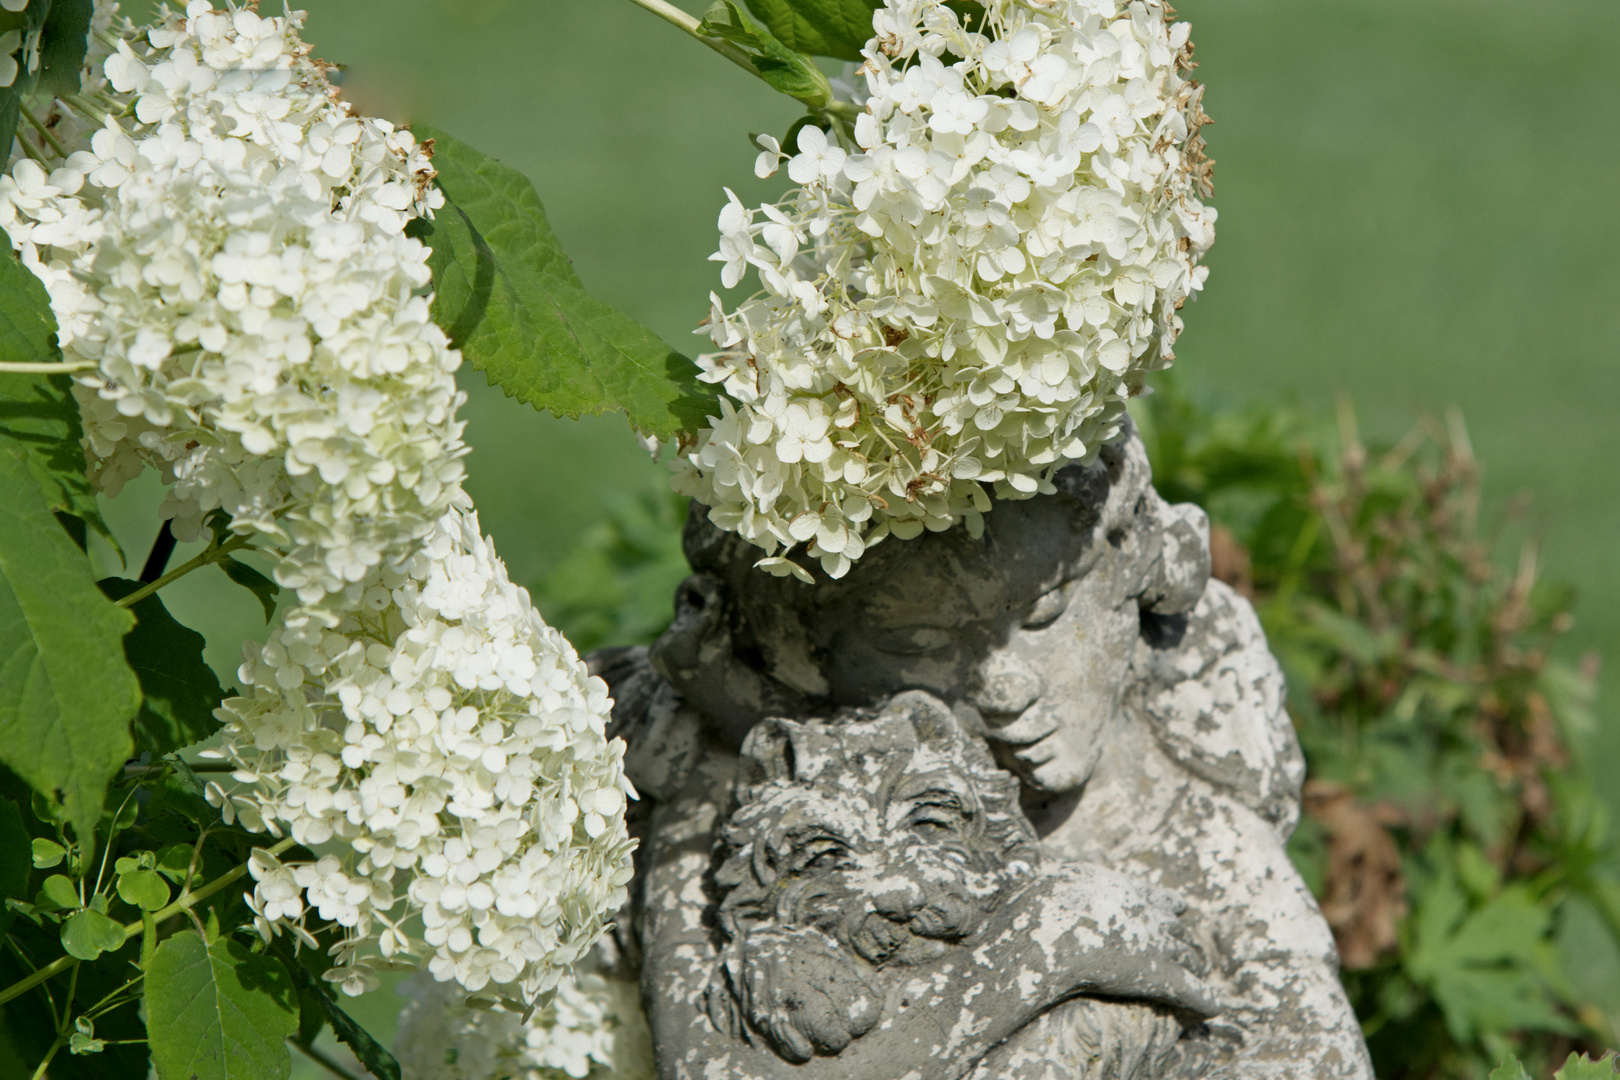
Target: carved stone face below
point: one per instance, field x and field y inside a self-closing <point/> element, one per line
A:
<point x="857" y="848"/>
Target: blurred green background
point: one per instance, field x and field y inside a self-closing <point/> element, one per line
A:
<point x="1417" y="208"/>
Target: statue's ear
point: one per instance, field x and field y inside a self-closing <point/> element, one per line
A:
<point x="1182" y="570"/>
<point x="931" y="719"/>
<point x="767" y="753"/>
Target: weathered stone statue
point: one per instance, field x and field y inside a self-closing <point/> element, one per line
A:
<point x="1006" y="801"/>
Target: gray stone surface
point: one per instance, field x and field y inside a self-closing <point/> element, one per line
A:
<point x="1006" y="805"/>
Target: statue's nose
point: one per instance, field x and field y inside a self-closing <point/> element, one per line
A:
<point x="1005" y="686"/>
<point x="898" y="901"/>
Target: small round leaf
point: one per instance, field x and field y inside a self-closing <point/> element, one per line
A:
<point x="143" y="889"/>
<point x="58" y="889"/>
<point x="89" y="934"/>
<point x="47" y="853"/>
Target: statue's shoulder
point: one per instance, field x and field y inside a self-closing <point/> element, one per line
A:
<point x="1213" y="696"/>
<point x="663" y="738"/>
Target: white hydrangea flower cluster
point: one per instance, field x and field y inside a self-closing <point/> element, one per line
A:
<point x="446" y="736"/>
<point x="970" y="293"/>
<point x="228" y="255"/>
<point x="592" y="1030"/>
<point x="227" y="250"/>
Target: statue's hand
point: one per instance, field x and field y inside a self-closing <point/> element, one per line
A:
<point x="798" y="989"/>
<point x="1099" y="931"/>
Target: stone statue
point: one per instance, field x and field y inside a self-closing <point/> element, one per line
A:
<point x="1008" y="800"/>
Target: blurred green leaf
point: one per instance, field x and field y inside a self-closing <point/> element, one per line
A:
<point x="218" y="1012"/>
<point x="1511" y="1069"/>
<point x="1581" y="1067"/>
<point x="616" y="585"/>
<point x="179" y="690"/>
<point x="62" y="45"/>
<point x="510" y="301"/>
<point x="173" y="862"/>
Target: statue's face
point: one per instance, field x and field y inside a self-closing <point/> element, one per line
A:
<point x="859" y="845"/>
<point x="1041" y="673"/>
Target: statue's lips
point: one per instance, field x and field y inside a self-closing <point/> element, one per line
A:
<point x="1028" y="725"/>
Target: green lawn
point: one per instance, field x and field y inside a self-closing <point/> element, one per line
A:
<point x="1417" y="208"/>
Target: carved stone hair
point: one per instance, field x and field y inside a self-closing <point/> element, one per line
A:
<point x="1108" y="501"/>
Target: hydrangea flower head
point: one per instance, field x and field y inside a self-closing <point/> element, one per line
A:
<point x="227" y="257"/>
<point x="966" y="298"/>
<point x="228" y="251"/>
<point x="453" y="746"/>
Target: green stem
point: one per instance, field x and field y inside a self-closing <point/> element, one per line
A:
<point x="84" y="108"/>
<point x="44" y="132"/>
<point x="33" y="154"/>
<point x="106" y="853"/>
<point x="185" y="903"/>
<point x="194" y="766"/>
<point x="676" y="17"/>
<point x="39" y="1073"/>
<point x="211" y="555"/>
<point x="44" y="367"/>
<point x="320" y="1058"/>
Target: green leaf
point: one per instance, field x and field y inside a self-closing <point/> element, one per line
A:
<point x="1511" y="1069"/>
<point x="838" y="28"/>
<point x="59" y="890"/>
<point x="782" y="68"/>
<point x="218" y="1012"/>
<point x="66" y="693"/>
<point x="1581" y="1067"/>
<point x="89" y="933"/>
<point x="37" y="412"/>
<point x="144" y="889"/>
<point x="63" y="44"/>
<point x="47" y="853"/>
<point x="179" y="689"/>
<point x="253" y="581"/>
<point x="509" y="299"/>
<point x="27" y="327"/>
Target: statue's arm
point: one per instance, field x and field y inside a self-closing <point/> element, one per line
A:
<point x="1073" y="930"/>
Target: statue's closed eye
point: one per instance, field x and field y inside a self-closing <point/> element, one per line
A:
<point x="937" y="812"/>
<point x="820" y="853"/>
<point x="1044" y="611"/>
<point x="914" y="640"/>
